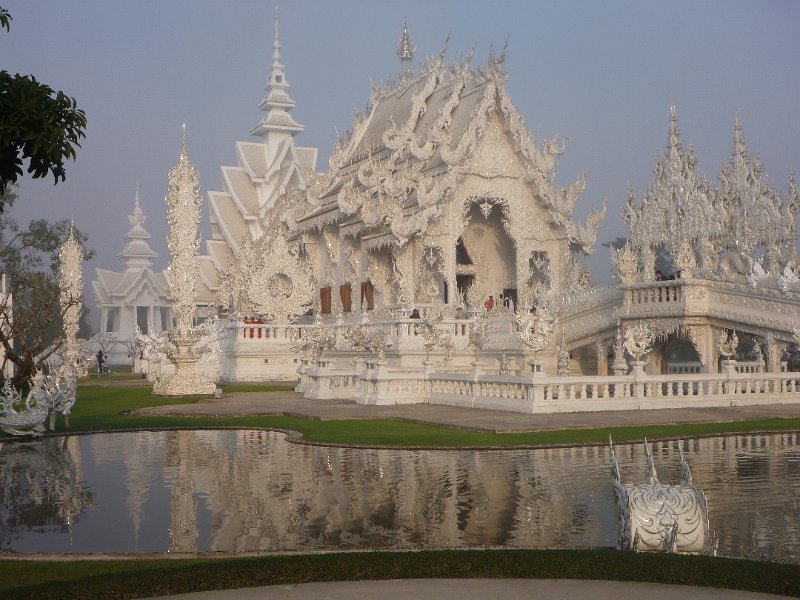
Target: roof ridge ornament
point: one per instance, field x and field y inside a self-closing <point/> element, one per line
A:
<point x="405" y="52"/>
<point x="276" y="103"/>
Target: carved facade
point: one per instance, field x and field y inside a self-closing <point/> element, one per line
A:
<point x="439" y="194"/>
<point x="438" y="200"/>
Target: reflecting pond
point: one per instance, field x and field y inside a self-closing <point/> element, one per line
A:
<point x="242" y="490"/>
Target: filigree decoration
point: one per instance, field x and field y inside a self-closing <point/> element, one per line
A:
<point x="183" y="215"/>
<point x="235" y="282"/>
<point x="478" y="334"/>
<point x="433" y="336"/>
<point x="789" y="280"/>
<point x="315" y="339"/>
<point x="534" y="331"/>
<point x="619" y="366"/>
<point x="727" y="343"/>
<point x="586" y="236"/>
<point x="726" y="227"/>
<point x="697" y="338"/>
<point x="486" y="205"/>
<point x="70" y="282"/>
<point x="368" y="337"/>
<point x="685" y="259"/>
<point x="626" y="264"/>
<point x="283" y="287"/>
<point x="23" y="415"/>
<point x="638" y="340"/>
<point x="562" y="358"/>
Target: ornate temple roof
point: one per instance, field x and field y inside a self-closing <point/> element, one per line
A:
<point x="414" y="144"/>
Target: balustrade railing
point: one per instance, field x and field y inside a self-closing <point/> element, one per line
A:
<point x="559" y="394"/>
<point x="655" y="292"/>
<point x="250" y="330"/>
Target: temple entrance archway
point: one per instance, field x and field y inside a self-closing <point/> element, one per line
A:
<point x="485" y="255"/>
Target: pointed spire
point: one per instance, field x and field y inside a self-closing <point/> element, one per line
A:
<point x="405" y="51"/>
<point x="675" y="154"/>
<point x="183" y="141"/>
<point x="739" y="146"/>
<point x="277" y="102"/>
<point x="137" y="252"/>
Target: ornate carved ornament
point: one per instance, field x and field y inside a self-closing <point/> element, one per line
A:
<point x="638" y="340"/>
<point x="715" y="231"/>
<point x="183" y="214"/>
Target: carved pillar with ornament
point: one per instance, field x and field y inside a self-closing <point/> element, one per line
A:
<point x="183" y="214"/>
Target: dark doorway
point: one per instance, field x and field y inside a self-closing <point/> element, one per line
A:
<point x="463" y="283"/>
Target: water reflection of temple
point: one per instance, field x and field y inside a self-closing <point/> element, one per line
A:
<point x="41" y="486"/>
<point x="188" y="491"/>
<point x="278" y="496"/>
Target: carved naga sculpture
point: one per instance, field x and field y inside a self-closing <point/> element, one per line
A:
<point x="23" y="415"/>
<point x="657" y="517"/>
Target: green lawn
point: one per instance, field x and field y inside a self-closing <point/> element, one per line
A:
<point x="110" y="580"/>
<point x="101" y="408"/>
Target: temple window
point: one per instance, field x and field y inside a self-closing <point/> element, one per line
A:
<point x="112" y="319"/>
<point x="367" y="295"/>
<point x="325" y="300"/>
<point x="143" y="318"/>
<point x="346" y="296"/>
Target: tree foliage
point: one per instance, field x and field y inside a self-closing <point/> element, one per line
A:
<point x="37" y="124"/>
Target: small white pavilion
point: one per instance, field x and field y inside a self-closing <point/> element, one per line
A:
<point x="135" y="297"/>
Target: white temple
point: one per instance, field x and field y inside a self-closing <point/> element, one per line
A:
<point x="375" y="277"/>
<point x="135" y="297"/>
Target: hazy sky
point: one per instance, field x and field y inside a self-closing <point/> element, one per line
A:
<point x="603" y="74"/>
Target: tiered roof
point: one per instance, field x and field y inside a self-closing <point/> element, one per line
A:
<point x="114" y="288"/>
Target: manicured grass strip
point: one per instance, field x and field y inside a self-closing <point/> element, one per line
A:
<point x="111" y="580"/>
<point x="101" y="408"/>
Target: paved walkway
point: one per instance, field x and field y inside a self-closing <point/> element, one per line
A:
<point x="474" y="589"/>
<point x="291" y="403"/>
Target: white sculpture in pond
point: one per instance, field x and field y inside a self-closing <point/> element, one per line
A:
<point x="657" y="517"/>
<point x="22" y="415"/>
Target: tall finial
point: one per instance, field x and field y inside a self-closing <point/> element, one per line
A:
<point x="405" y="51"/>
<point x="276" y="44"/>
<point x="183" y="140"/>
<point x="136" y="201"/>
<point x="277" y="102"/>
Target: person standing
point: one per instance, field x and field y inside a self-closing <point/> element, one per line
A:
<point x="489" y="304"/>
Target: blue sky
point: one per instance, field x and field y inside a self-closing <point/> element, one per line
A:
<point x="603" y="74"/>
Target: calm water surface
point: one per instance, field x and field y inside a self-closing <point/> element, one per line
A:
<point x="187" y="491"/>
